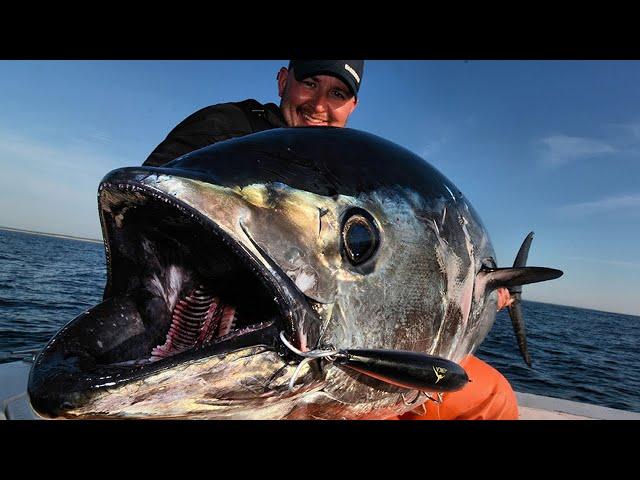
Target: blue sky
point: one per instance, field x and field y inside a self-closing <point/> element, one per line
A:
<point x="548" y="146"/>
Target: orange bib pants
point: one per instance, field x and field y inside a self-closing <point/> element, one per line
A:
<point x="488" y="396"/>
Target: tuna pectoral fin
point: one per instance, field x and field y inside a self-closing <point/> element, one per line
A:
<point x="515" y="310"/>
<point x="412" y="370"/>
<point x="515" y="277"/>
<point x="517" y="320"/>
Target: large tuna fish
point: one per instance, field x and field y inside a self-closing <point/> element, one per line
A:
<point x="292" y="273"/>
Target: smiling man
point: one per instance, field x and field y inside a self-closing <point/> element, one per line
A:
<point x="319" y="93"/>
<point x="315" y="93"/>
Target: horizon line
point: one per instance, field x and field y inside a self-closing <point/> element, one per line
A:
<point x="48" y="234"/>
<point x="93" y="240"/>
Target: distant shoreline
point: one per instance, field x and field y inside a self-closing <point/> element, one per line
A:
<point x="55" y="235"/>
<point x="589" y="309"/>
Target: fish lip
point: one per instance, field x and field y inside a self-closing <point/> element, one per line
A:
<point x="59" y="383"/>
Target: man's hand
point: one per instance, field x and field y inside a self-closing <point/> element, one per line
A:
<point x="504" y="298"/>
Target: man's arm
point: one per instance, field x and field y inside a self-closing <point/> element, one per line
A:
<point x="205" y="127"/>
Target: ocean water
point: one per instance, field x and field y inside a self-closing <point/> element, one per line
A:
<point x="578" y="354"/>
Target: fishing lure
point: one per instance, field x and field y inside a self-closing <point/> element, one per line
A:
<point x="412" y="370"/>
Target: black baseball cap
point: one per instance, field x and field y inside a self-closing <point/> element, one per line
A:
<point x="349" y="71"/>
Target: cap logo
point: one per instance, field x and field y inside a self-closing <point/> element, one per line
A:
<point x="349" y="69"/>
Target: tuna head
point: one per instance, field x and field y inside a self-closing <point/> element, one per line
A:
<point x="330" y="239"/>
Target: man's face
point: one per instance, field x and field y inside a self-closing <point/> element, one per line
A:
<point x="316" y="101"/>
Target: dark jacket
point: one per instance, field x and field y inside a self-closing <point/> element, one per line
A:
<point x="214" y="124"/>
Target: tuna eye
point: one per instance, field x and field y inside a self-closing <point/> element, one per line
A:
<point x="359" y="236"/>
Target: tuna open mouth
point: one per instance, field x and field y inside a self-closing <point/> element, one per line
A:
<point x="178" y="288"/>
<point x="194" y="286"/>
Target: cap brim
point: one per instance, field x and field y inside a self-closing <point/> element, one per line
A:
<point x="300" y="72"/>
